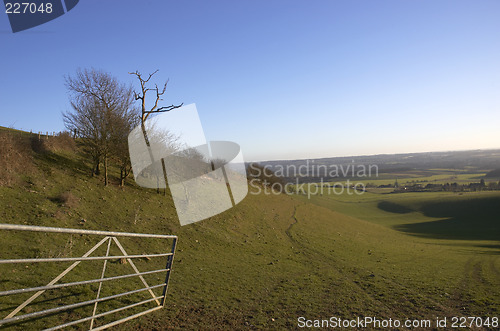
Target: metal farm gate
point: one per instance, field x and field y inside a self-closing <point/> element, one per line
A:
<point x="13" y="301"/>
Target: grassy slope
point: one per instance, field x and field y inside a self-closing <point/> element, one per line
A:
<point x="447" y="249"/>
<point x="263" y="264"/>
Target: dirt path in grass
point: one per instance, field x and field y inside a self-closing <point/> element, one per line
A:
<point x="294" y="221"/>
<point x="418" y="304"/>
<point x="326" y="260"/>
<point x="475" y="291"/>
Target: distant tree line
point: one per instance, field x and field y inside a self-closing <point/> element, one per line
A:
<point x="447" y="187"/>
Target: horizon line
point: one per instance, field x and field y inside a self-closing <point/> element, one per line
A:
<point x="382" y="154"/>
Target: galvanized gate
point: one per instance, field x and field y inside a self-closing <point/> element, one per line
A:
<point x="92" y="316"/>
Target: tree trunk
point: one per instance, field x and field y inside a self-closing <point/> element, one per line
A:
<point x="105" y="170"/>
<point x="96" y="170"/>
<point x="124" y="173"/>
<point x="122" y="178"/>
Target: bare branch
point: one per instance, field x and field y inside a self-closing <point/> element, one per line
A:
<point x="151" y="75"/>
<point x="142" y="96"/>
<point x="168" y="108"/>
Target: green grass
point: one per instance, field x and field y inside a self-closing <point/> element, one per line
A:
<point x="269" y="260"/>
<point x="455" y="239"/>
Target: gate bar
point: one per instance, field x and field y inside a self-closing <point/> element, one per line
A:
<point x="18" y="227"/>
<point x="84" y="282"/>
<point x="55" y="280"/>
<point x="102" y="314"/>
<point x="75" y="305"/>
<point x="90" y="258"/>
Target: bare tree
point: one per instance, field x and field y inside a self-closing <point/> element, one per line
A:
<point x="155" y="108"/>
<point x="142" y="97"/>
<point x="101" y="115"/>
<point x="87" y="121"/>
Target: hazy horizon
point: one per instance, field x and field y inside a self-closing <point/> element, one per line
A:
<point x="381" y="154"/>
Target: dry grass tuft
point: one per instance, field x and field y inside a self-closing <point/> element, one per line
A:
<point x="67" y="199"/>
<point x="15" y="157"/>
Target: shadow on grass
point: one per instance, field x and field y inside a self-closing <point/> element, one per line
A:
<point x="41" y="302"/>
<point x="473" y="219"/>
<point x="73" y="165"/>
<point x="393" y="207"/>
<point x="490" y="247"/>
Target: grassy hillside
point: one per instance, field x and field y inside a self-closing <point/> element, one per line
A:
<point x="264" y="263"/>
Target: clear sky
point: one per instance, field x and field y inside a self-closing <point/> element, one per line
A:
<point x="284" y="79"/>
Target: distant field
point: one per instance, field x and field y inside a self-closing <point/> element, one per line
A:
<point x="443" y="177"/>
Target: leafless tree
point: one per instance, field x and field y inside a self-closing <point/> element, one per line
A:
<point x="102" y="114"/>
<point x="155" y="109"/>
<point x="87" y="121"/>
<point x="142" y="96"/>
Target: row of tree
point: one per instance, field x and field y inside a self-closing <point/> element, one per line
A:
<point x="449" y="187"/>
<point x="103" y="112"/>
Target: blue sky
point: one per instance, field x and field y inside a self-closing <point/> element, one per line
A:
<point x="284" y="79"/>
